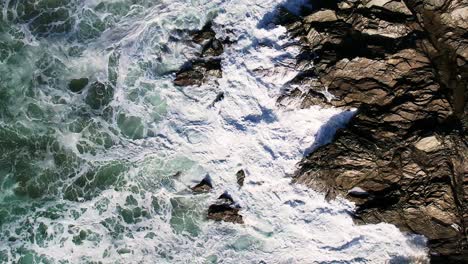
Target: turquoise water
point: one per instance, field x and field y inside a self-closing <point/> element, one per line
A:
<point x="98" y="148"/>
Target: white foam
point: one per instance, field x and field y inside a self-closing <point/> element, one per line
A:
<point x="284" y="223"/>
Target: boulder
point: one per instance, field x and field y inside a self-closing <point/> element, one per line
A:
<point x="198" y="71"/>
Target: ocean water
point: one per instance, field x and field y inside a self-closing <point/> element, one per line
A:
<point x="104" y="176"/>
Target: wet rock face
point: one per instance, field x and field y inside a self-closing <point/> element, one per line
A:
<point x="208" y="65"/>
<point x="99" y="95"/>
<point x="225" y="212"/>
<point x="403" y="157"/>
<point x="225" y="209"/>
<point x="197" y="72"/>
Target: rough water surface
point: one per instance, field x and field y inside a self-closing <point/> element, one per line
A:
<point x="98" y="170"/>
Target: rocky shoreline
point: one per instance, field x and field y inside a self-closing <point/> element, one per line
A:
<point x="403" y="157"/>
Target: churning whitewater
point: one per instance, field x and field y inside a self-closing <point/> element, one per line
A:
<point x="84" y="185"/>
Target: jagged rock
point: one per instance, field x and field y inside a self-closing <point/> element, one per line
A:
<point x="403" y="157"/>
<point x="205" y="35"/>
<point x="240" y="175"/>
<point x="225" y="210"/>
<point x="204" y="186"/>
<point x="198" y="71"/>
<point x="77" y="85"/>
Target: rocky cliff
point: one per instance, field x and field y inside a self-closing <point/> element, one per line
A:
<point x="403" y="158"/>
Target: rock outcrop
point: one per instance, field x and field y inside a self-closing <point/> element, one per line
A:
<point x="207" y="65"/>
<point x="403" y="158"/>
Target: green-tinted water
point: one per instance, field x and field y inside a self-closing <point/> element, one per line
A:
<point x="63" y="104"/>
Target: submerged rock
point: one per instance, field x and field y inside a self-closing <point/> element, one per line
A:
<point x="403" y="157"/>
<point x="77" y="85"/>
<point x="131" y="126"/>
<point x="99" y="95"/>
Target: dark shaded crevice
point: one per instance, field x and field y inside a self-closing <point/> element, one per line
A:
<point x="452" y="78"/>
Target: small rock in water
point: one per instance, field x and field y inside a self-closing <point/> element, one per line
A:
<point x="240" y="177"/>
<point x="99" y="95"/>
<point x="219" y="97"/>
<point x="207" y="38"/>
<point x="225" y="212"/>
<point x="204" y="186"/>
<point x="77" y="85"/>
<point x="177" y="175"/>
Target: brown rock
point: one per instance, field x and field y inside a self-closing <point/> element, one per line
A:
<point x="197" y="72"/>
<point x="403" y="156"/>
<point x="225" y="210"/>
<point x="206" y="66"/>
